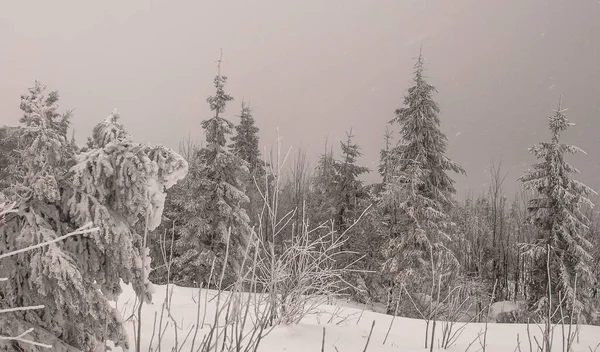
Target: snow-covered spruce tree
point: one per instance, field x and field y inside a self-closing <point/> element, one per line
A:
<point x="365" y="239"/>
<point x="322" y="201"/>
<point x="245" y="146"/>
<point x="349" y="188"/>
<point x="219" y="179"/>
<point x="351" y="199"/>
<point x="181" y="213"/>
<point x="557" y="209"/>
<point x="419" y="191"/>
<point x="421" y="137"/>
<point x="245" y="142"/>
<point x="112" y="185"/>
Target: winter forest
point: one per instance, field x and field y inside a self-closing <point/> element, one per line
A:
<point x="110" y="243"/>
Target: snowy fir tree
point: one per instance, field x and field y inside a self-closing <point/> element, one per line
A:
<point x="245" y="146"/>
<point x="113" y="185"/>
<point x="182" y="208"/>
<point x="419" y="190"/>
<point x="349" y="188"/>
<point x="562" y="252"/>
<point x="421" y="137"/>
<point x="245" y="142"/>
<point x="352" y="200"/>
<point x="322" y="201"/>
<point x="221" y="221"/>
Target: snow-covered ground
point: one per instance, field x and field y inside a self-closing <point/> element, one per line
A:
<point x="345" y="333"/>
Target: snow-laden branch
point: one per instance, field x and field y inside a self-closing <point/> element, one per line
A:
<point x="10" y="208"/>
<point x="20" y="338"/>
<point x="20" y="309"/>
<point x="80" y="231"/>
<point x="7" y="209"/>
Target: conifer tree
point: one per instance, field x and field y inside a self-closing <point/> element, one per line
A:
<point x="419" y="190"/>
<point x="245" y="141"/>
<point x="384" y="156"/>
<point x="181" y="214"/>
<point x="421" y="137"/>
<point x="349" y="187"/>
<point x="324" y="185"/>
<point x="221" y="218"/>
<point x="562" y="252"/>
<point x="245" y="146"/>
<point x="113" y="185"/>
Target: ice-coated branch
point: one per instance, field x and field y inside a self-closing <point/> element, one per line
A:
<point x="20" y="309"/>
<point x="80" y="231"/>
<point x="20" y="338"/>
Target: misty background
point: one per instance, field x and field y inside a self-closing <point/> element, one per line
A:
<point x="316" y="68"/>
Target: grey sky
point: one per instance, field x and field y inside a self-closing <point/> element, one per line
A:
<point x="318" y="67"/>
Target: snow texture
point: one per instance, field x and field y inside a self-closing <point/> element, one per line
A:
<point x="345" y="332"/>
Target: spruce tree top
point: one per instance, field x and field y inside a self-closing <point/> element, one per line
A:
<point x="350" y="152"/>
<point x="43" y="150"/>
<point x="422" y="139"/>
<point x="550" y="177"/>
<point x="245" y="142"/>
<point x="217" y="127"/>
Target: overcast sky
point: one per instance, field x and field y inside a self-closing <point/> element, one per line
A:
<point x="315" y="68"/>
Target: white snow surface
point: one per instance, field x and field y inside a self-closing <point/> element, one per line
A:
<point x="344" y="333"/>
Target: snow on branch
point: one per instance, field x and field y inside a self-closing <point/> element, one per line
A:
<point x="20" y="338"/>
<point x="20" y="309"/>
<point x="80" y="231"/>
<point x="10" y="208"/>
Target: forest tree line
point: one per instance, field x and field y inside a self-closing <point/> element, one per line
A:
<point x="406" y="238"/>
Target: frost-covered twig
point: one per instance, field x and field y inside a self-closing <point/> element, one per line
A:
<point x="392" y="321"/>
<point x="484" y="345"/>
<point x="87" y="228"/>
<point x="449" y="335"/>
<point x="303" y="274"/>
<point x="435" y="313"/>
<point x="529" y="337"/>
<point x="20" y="309"/>
<point x="21" y="339"/>
<point x="518" y="348"/>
